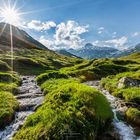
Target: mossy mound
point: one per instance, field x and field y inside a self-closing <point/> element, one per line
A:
<point x="8" y="105"/>
<point x="69" y="107"/>
<point x="133" y="116"/>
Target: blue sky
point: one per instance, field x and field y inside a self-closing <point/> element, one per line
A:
<point x="72" y="23"/>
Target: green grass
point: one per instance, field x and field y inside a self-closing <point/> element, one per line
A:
<point x="35" y="61"/>
<point x="8" y="105"/>
<point x="49" y="75"/>
<point x="68" y="105"/>
<point x="133" y="116"/>
<point x="128" y="93"/>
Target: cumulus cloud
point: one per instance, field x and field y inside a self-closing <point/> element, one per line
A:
<point x="68" y="34"/>
<point x="119" y="43"/>
<point x="41" y="26"/>
<point x="48" y="43"/>
<point x="135" y="34"/>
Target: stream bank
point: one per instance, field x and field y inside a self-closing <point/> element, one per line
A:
<point x="30" y="98"/>
<point x="125" y="131"/>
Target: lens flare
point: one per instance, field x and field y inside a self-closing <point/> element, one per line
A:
<point x="10" y="15"/>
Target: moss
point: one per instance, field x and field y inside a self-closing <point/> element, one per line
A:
<point x="51" y="74"/>
<point x="128" y="93"/>
<point x="11" y="87"/>
<point x="133" y="116"/>
<point x="8" y="105"/>
<point x="9" y="78"/>
<point x="70" y="106"/>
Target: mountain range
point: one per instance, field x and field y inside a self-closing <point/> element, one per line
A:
<point x="90" y="51"/>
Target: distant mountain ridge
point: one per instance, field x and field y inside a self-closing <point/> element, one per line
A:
<point x="128" y="51"/>
<point x="90" y="51"/>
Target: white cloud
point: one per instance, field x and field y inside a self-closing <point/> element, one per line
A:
<point x="119" y="43"/>
<point x="40" y="26"/>
<point x="68" y="34"/>
<point x="100" y="30"/>
<point x="114" y="34"/>
<point x="135" y="34"/>
<point x="48" y="43"/>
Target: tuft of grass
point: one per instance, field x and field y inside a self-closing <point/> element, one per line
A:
<point x="8" y="105"/>
<point x="70" y="106"/>
<point x="133" y="116"/>
<point x="51" y="74"/>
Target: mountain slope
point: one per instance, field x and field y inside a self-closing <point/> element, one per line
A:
<point x="20" y="38"/>
<point x="66" y="53"/>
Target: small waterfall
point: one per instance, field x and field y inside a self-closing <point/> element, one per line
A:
<point x="30" y="98"/>
<point x="125" y="131"/>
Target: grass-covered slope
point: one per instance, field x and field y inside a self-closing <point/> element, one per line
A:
<point x="69" y="107"/>
<point x="34" y="61"/>
<point x="99" y="68"/>
<point x="8" y="103"/>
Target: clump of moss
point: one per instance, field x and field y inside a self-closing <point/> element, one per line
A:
<point x="133" y="116"/>
<point x="8" y="105"/>
<point x="9" y="78"/>
<point x="70" y="106"/>
<point x="51" y="74"/>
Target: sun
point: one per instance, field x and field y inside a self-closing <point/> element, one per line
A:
<point x="10" y="15"/>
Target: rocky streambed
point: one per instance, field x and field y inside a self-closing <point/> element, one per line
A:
<point x="30" y="98"/>
<point x="122" y="128"/>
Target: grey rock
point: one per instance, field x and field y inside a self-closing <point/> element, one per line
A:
<point x="128" y="82"/>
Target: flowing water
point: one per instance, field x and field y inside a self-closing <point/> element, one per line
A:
<point x="30" y="98"/>
<point x="125" y="131"/>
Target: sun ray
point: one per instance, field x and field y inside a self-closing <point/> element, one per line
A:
<point x="3" y="29"/>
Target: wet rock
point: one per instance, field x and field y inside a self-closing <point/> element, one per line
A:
<point x="128" y="82"/>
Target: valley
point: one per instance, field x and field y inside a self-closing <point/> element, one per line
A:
<point x="49" y="96"/>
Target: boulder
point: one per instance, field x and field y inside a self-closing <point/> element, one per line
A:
<point x="128" y="82"/>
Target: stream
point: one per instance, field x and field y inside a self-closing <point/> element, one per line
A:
<point x="30" y="98"/>
<point x="125" y="131"/>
